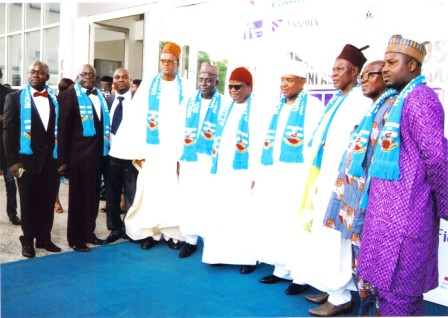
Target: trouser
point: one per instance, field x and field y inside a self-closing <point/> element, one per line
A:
<point x="11" y="191"/>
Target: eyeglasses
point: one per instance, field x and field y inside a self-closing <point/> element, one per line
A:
<point x="236" y="87"/>
<point x="168" y="62"/>
<point x="37" y="72"/>
<point x="87" y="74"/>
<point x="365" y="76"/>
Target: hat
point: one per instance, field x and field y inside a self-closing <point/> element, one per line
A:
<point x="398" y="44"/>
<point x="296" y="68"/>
<point x="172" y="48"/>
<point x="353" y="55"/>
<point x="241" y="74"/>
<point x="206" y="67"/>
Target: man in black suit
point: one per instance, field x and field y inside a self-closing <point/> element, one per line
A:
<point x="83" y="144"/>
<point x="30" y="126"/>
<point x="10" y="182"/>
<point x="121" y="173"/>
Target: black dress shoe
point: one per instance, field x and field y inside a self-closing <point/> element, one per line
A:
<point x="15" y="220"/>
<point x="148" y="243"/>
<point x="247" y="269"/>
<point x="28" y="251"/>
<point x="113" y="236"/>
<point x="81" y="248"/>
<point x="187" y="250"/>
<point x="295" y="289"/>
<point x="97" y="241"/>
<point x="318" y="299"/>
<point x="172" y="245"/>
<point x="50" y="247"/>
<point x="272" y="279"/>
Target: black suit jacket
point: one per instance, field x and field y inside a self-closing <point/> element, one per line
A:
<point x="3" y="92"/>
<point x="42" y="141"/>
<point x="75" y="150"/>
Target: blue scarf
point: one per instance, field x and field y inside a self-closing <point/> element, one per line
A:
<point x="152" y="126"/>
<point x="25" y="120"/>
<point x="361" y="137"/>
<point x="241" y="157"/>
<point x="293" y="136"/>
<point x="203" y="143"/>
<point x="86" y="112"/>
<point x="317" y="161"/>
<point x="387" y="152"/>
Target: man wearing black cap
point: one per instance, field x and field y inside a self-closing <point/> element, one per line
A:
<point x="329" y="265"/>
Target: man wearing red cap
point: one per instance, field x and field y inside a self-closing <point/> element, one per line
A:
<point x="327" y="265"/>
<point x="154" y="213"/>
<point x="233" y="155"/>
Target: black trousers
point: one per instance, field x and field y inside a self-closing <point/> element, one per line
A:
<point x="121" y="178"/>
<point x="37" y="196"/>
<point x="11" y="190"/>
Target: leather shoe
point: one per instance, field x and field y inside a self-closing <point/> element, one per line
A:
<point x="317" y="299"/>
<point x="97" y="241"/>
<point x="247" y="269"/>
<point x="81" y="248"/>
<point x="113" y="237"/>
<point x="327" y="309"/>
<point x="28" y="251"/>
<point x="15" y="220"/>
<point x="295" y="289"/>
<point x="148" y="243"/>
<point x="187" y="250"/>
<point x="272" y="279"/>
<point x="50" y="247"/>
<point x="172" y="245"/>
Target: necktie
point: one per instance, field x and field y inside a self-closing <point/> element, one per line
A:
<point x="42" y="94"/>
<point x="91" y="91"/>
<point x="118" y="115"/>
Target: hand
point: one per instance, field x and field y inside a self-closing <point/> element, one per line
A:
<point x="252" y="185"/>
<point x="139" y="162"/>
<point x="62" y="168"/>
<point x="1" y="118"/>
<point x="16" y="169"/>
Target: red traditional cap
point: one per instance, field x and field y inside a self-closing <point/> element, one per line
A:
<point x="172" y="48"/>
<point x="353" y="55"/>
<point x="241" y="74"/>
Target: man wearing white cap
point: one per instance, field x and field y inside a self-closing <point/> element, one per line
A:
<point x="277" y="186"/>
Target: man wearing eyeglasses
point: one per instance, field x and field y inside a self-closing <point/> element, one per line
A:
<point x="408" y="193"/>
<point x="237" y="142"/>
<point x="30" y="141"/>
<point x="326" y="264"/>
<point x="155" y="213"/>
<point x="84" y="126"/>
<point x="346" y="209"/>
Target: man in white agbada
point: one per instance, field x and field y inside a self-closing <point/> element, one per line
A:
<point x="277" y="182"/>
<point x="323" y="259"/>
<point x="155" y="211"/>
<point x="229" y="238"/>
<point x="200" y="120"/>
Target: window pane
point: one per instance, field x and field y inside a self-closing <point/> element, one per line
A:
<point x="52" y="12"/>
<point x="50" y="53"/>
<point x="32" y="15"/>
<point x="14" y="17"/>
<point x="2" y="17"/>
<point x="14" y="60"/>
<point x="32" y="48"/>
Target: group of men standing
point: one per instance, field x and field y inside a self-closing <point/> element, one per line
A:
<point x="297" y="185"/>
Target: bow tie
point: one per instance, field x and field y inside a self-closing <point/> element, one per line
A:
<point x="91" y="91"/>
<point x="43" y="94"/>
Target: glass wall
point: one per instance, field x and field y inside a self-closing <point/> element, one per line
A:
<point x="28" y="32"/>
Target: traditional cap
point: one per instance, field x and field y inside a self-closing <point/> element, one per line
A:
<point x="172" y="48"/>
<point x="206" y="67"/>
<point x="398" y="44"/>
<point x="242" y="75"/>
<point x="294" y="67"/>
<point x="353" y="55"/>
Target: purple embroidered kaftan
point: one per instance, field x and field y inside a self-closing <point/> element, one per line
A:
<point x="400" y="238"/>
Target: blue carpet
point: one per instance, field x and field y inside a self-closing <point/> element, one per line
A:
<point x="122" y="280"/>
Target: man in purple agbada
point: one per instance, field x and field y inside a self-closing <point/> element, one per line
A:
<point x="400" y="238"/>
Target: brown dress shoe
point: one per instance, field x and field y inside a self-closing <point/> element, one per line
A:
<point x="327" y="309"/>
<point x="317" y="299"/>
